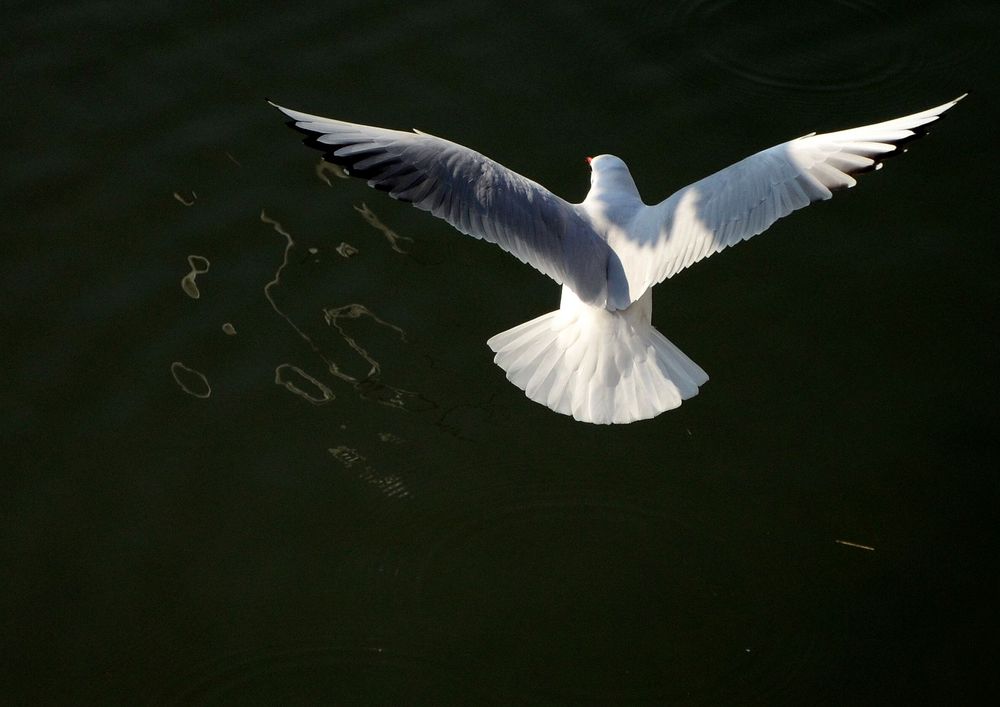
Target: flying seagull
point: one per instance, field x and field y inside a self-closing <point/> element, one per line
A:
<point x="598" y="357"/>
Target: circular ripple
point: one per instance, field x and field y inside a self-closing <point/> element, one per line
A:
<point x="324" y="675"/>
<point x="582" y="595"/>
<point x="954" y="36"/>
<point x="823" y="46"/>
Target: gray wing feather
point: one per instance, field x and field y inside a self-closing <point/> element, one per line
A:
<point x="476" y="195"/>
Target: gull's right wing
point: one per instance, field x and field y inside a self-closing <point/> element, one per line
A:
<point x="745" y="198"/>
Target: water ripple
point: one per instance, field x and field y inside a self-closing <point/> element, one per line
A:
<point x="761" y="55"/>
<point x="323" y="674"/>
<point x="625" y="598"/>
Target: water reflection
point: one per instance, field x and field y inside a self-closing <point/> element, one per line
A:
<point x="186" y="202"/>
<point x="347" y="250"/>
<point x="368" y="385"/>
<point x="191" y="381"/>
<point x="391" y="485"/>
<point x="391" y="236"/>
<point x="333" y="315"/>
<point x="324" y="169"/>
<point x="285" y="375"/>
<point x="199" y="266"/>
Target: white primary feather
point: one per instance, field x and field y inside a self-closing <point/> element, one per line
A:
<point x="598" y="357"/>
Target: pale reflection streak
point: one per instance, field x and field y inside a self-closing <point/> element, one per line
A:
<point x="390" y="484"/>
<point x="199" y="266"/>
<point x="355" y="311"/>
<point x="324" y="168"/>
<point x="187" y="202"/>
<point x="394" y="238"/>
<point x="282" y="378"/>
<point x="196" y="385"/>
<point x="368" y="386"/>
<point x="347" y="250"/>
<point x="289" y="244"/>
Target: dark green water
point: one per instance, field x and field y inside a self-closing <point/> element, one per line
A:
<point x="419" y="532"/>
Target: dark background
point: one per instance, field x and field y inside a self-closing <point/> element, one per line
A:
<point x="429" y="535"/>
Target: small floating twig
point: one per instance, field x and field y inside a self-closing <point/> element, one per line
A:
<point x="857" y="545"/>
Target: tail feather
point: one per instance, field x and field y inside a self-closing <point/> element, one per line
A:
<point x="598" y="366"/>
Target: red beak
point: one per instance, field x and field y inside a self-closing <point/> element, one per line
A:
<point x="589" y="160"/>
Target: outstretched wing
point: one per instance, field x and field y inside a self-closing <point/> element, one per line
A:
<point x="744" y="199"/>
<point x="476" y="195"/>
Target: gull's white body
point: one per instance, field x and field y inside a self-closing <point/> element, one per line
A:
<point x="598" y="357"/>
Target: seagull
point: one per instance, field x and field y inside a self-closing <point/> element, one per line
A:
<point x="598" y="357"/>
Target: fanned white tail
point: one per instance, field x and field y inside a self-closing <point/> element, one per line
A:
<point x="598" y="366"/>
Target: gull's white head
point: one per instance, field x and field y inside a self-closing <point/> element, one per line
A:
<point x="606" y="162"/>
<point x="610" y="175"/>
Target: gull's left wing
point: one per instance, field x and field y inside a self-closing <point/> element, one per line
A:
<point x="476" y="195"/>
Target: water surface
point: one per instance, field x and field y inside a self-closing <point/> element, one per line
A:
<point x="258" y="452"/>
